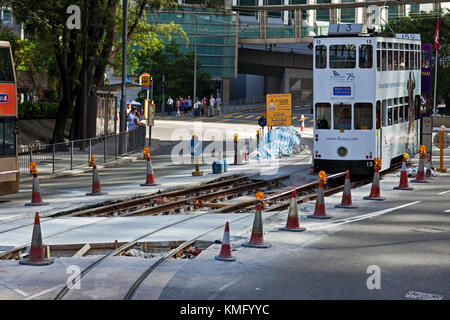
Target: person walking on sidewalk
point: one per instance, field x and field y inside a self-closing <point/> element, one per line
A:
<point x="212" y="103"/>
<point x="170" y="105"/>
<point x="218" y="104"/>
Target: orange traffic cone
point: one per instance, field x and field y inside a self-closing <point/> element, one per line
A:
<point x="36" y="198"/>
<point x="36" y="257"/>
<point x="420" y="176"/>
<point x="319" y="211"/>
<point x="347" y="195"/>
<point x="225" y="251"/>
<point x="256" y="239"/>
<point x="302" y="128"/>
<point x="292" y="223"/>
<point x="375" y="190"/>
<point x="150" y="180"/>
<point x="403" y="185"/>
<point x="96" y="186"/>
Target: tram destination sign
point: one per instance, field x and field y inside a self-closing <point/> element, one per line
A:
<point x="344" y="29"/>
<point x="342" y="91"/>
<point x="408" y="36"/>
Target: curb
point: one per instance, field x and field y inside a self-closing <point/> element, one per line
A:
<point x="114" y="163"/>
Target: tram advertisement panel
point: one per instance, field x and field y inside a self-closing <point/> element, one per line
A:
<point x="7" y="99"/>
<point x="427" y="51"/>
<point x="279" y="111"/>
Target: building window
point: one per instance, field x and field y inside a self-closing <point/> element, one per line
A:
<point x="342" y="116"/>
<point x="363" y="116"/>
<point x="365" y="56"/>
<point x="321" y="57"/>
<point x="323" y="115"/>
<point x="342" y="56"/>
<point x="6" y="16"/>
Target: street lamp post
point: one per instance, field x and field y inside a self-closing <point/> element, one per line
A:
<point x="123" y="99"/>
<point x="195" y="61"/>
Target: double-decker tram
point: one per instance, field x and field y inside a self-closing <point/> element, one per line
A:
<point x="366" y="99"/>
<point x="9" y="165"/>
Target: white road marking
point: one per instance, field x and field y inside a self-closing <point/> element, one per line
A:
<point x="447" y="211"/>
<point x="22" y="293"/>
<point x="428" y="230"/>
<point x="44" y="292"/>
<point x="423" y="296"/>
<point x="444" y="192"/>
<point x="362" y="217"/>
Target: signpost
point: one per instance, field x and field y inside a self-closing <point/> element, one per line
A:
<point x="279" y="111"/>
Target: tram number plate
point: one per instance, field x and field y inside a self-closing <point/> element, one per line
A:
<point x="369" y="164"/>
<point x="4" y="98"/>
<point x="342" y="91"/>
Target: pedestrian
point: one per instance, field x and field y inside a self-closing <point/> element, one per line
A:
<point x="186" y="107"/>
<point x="170" y="105"/>
<point x="189" y="100"/>
<point x="133" y="119"/>
<point x="205" y="108"/>
<point x="195" y="108"/>
<point x="218" y="104"/>
<point x="212" y="103"/>
<point x="178" y="107"/>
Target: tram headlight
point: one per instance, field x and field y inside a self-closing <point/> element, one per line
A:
<point x="342" y="151"/>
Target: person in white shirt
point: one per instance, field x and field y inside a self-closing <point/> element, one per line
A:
<point x="170" y="105"/>
<point x="212" y="102"/>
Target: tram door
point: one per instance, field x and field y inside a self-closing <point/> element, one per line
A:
<point x="378" y="132"/>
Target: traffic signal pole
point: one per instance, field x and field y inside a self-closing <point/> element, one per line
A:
<point x="163" y="90"/>
<point x="123" y="99"/>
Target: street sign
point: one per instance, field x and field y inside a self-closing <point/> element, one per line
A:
<point x="279" y="111"/>
<point x="149" y="111"/>
<point x="196" y="147"/>
<point x="437" y="140"/>
<point x="144" y="80"/>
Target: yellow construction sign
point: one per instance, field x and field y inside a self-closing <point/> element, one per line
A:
<point x="279" y="110"/>
<point x="149" y="111"/>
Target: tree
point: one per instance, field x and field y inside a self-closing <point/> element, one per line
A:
<point x="178" y="68"/>
<point x="425" y="25"/>
<point x="82" y="56"/>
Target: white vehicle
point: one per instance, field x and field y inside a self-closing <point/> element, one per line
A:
<point x="366" y="100"/>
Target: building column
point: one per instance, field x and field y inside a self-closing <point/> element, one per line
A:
<point x="298" y="23"/>
<point x="401" y="10"/>
<point x="262" y="19"/>
<point x="225" y="91"/>
<point x="286" y="13"/>
<point x="311" y="14"/>
<point x="334" y="18"/>
<point x="227" y="4"/>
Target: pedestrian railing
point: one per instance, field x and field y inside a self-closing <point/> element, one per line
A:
<point x="75" y="154"/>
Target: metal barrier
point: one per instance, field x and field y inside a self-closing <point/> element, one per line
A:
<point x="70" y="155"/>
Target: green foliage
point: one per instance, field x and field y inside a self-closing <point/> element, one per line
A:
<point x="178" y="68"/>
<point x="38" y="110"/>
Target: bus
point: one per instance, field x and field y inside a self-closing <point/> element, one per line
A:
<point x="366" y="99"/>
<point x="9" y="164"/>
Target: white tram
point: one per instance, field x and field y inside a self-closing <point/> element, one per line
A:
<point x="366" y="99"/>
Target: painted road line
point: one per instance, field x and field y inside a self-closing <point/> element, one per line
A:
<point x="44" y="292"/>
<point x="447" y="211"/>
<point x="293" y="118"/>
<point x="444" y="192"/>
<point x="239" y="116"/>
<point x="362" y="217"/>
<point x="24" y="294"/>
<point x="249" y="117"/>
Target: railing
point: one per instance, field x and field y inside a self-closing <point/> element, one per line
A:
<point x="70" y="155"/>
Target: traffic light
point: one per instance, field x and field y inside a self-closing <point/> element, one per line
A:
<point x="164" y="84"/>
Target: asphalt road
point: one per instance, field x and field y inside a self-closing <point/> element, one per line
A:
<point x="409" y="247"/>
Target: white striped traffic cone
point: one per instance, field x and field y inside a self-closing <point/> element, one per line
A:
<point x="150" y="178"/>
<point x="36" y="198"/>
<point x="96" y="186"/>
<point x="375" y="189"/>
<point x="225" y="251"/>
<point x="420" y="176"/>
<point x="257" y="239"/>
<point x="292" y="223"/>
<point x="36" y="257"/>
<point x="347" y="195"/>
<point x="319" y="210"/>
<point x="403" y="185"/>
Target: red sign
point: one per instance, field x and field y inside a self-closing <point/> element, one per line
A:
<point x="7" y="99"/>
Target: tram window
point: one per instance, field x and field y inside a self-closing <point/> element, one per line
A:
<point x="7" y="137"/>
<point x="412" y="60"/>
<point x="342" y="56"/>
<point x="395" y="111"/>
<point x="363" y="116"/>
<point x="401" y="109"/>
<point x="390" y="116"/>
<point x="6" y="71"/>
<point x="378" y="60"/>
<point x="390" y="67"/>
<point x="323" y="115"/>
<point x="384" y="117"/>
<point x="383" y="60"/>
<point x="378" y="115"/>
<point x="342" y="115"/>
<point x="401" y="64"/>
<point x="395" y="59"/>
<point x="321" y="57"/>
<point x="406" y="60"/>
<point x="365" y="56"/>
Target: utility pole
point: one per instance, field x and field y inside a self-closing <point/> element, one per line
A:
<point x="163" y="91"/>
<point x="123" y="100"/>
<point x="195" y="60"/>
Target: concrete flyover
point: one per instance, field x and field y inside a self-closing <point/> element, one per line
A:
<point x="271" y="63"/>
